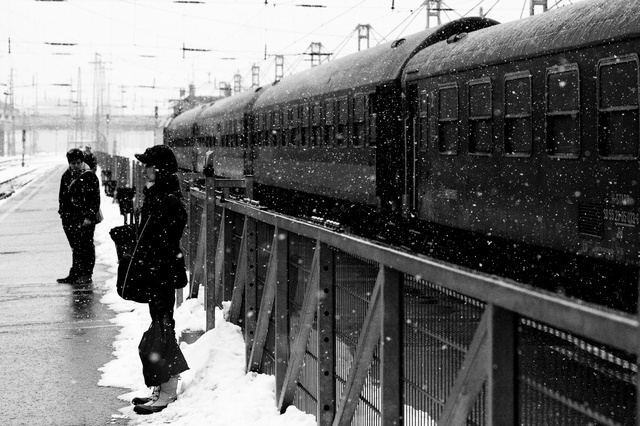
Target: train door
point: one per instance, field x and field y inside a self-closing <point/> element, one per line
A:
<point x="419" y="129"/>
<point x="416" y="142"/>
<point x="409" y="202"/>
<point x="248" y="143"/>
<point x="389" y="147"/>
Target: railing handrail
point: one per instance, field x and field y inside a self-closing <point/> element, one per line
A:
<point x="609" y="327"/>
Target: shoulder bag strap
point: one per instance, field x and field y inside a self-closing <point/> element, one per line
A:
<point x="124" y="283"/>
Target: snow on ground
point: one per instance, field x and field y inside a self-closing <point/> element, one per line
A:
<point x="216" y="389"/>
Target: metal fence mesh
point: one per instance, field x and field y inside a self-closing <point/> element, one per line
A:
<point x="438" y="329"/>
<point x="565" y="380"/>
<point x="355" y="280"/>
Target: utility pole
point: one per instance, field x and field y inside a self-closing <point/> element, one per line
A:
<point x="279" y="67"/>
<point x="317" y="54"/>
<point x="255" y="76"/>
<point x="11" y="143"/>
<point x="237" y="83"/>
<point x="99" y="138"/>
<point x="363" y="34"/>
<point x="535" y="3"/>
<point x="433" y="11"/>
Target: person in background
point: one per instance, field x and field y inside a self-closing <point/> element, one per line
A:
<point x="79" y="203"/>
<point x="162" y="222"/>
<point x="90" y="159"/>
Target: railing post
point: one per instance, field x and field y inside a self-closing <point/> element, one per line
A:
<point x="501" y="382"/>
<point x="391" y="349"/>
<point x="281" y="316"/>
<point x="251" y="293"/>
<point x="210" y="248"/>
<point x="326" y="338"/>
<point x="193" y="235"/>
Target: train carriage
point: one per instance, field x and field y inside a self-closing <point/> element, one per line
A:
<point x="333" y="130"/>
<point x="181" y="135"/>
<point x="224" y="130"/>
<point x="530" y="131"/>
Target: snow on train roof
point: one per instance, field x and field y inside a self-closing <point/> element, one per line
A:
<point x="377" y="64"/>
<point x="181" y="125"/>
<point x="227" y="108"/>
<point x="584" y="23"/>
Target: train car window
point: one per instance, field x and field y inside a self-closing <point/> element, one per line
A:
<point x="239" y="132"/>
<point x="291" y="124"/>
<point x="372" y="120"/>
<point x="563" y="111"/>
<point x="480" y="117"/>
<point x="517" y="118"/>
<point x="618" y="118"/>
<point x="359" y="123"/>
<point x="316" y="123"/>
<point x="343" y="122"/>
<point x="275" y="128"/>
<point x="448" y="119"/>
<point x="423" y="114"/>
<point x="305" y="119"/>
<point x="328" y="122"/>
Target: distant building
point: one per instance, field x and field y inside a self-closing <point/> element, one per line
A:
<point x="189" y="101"/>
<point x="7" y="139"/>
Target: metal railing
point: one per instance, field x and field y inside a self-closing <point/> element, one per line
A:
<point x="357" y="333"/>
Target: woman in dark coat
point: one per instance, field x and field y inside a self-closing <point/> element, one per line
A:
<point x="163" y="219"/>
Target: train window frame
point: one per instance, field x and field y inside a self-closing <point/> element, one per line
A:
<point x="359" y="120"/>
<point x="517" y="117"/>
<point x="423" y="119"/>
<point x="562" y="114"/>
<point x="608" y="62"/>
<point x="341" y="139"/>
<point x="444" y="148"/>
<point x="276" y="119"/>
<point x="329" y="122"/>
<point x="487" y="117"/>
<point x="305" y="125"/>
<point x="317" y="121"/>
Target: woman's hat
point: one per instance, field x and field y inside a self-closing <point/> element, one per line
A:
<point x="160" y="157"/>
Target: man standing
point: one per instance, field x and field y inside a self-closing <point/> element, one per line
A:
<point x="79" y="201"/>
<point x="89" y="159"/>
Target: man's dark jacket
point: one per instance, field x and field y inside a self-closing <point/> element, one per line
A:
<point x="79" y="197"/>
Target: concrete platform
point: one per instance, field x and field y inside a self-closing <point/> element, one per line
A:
<point x="54" y="337"/>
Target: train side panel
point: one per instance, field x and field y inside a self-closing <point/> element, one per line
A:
<point x="540" y="148"/>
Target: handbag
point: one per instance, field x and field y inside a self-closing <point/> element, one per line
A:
<point x="133" y="276"/>
<point x="160" y="354"/>
<point x="99" y="216"/>
<point x="124" y="238"/>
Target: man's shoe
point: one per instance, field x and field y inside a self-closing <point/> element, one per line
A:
<point x="69" y="279"/>
<point x="83" y="279"/>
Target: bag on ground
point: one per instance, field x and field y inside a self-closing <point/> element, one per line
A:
<point x="160" y="354"/>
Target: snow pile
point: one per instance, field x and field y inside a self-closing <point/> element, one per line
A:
<point x="216" y="389"/>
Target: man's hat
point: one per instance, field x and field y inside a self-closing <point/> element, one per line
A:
<point x="159" y="156"/>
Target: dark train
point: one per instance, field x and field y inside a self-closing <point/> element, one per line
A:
<point x="516" y="142"/>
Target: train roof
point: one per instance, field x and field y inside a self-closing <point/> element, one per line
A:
<point x="589" y="22"/>
<point x="377" y="64"/>
<point x="181" y="125"/>
<point x="227" y="108"/>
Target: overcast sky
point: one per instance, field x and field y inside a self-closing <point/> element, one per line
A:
<point x="152" y="48"/>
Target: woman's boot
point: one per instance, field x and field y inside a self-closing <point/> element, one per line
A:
<point x="145" y="399"/>
<point x="168" y="394"/>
